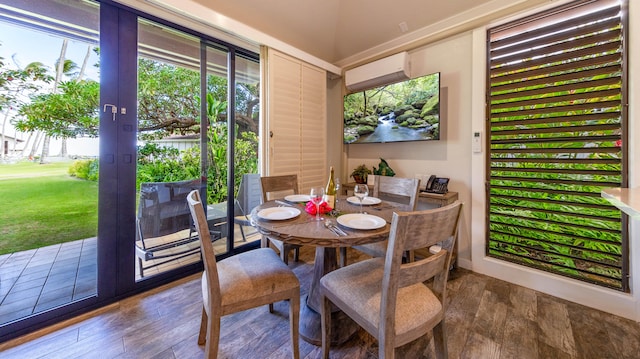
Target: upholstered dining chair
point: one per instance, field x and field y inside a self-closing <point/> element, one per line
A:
<point x="274" y="187"/>
<point x="243" y="281"/>
<point x="388" y="298"/>
<point x="393" y="189"/>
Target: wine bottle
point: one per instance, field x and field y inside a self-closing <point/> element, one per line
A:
<point x="330" y="190"/>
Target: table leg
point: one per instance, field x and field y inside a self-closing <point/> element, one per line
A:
<point x="342" y="327"/>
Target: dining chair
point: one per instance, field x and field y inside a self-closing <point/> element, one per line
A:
<point x="393" y="189"/>
<point x="240" y="282"/>
<point x="388" y="298"/>
<point x="274" y="187"/>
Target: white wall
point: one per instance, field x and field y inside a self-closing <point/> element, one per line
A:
<point x="448" y="157"/>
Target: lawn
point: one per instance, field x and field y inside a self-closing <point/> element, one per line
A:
<point x="43" y="205"/>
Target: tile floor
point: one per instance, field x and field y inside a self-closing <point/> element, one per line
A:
<point x="39" y="279"/>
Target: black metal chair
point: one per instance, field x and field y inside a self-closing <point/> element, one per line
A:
<point x="249" y="196"/>
<point x="163" y="211"/>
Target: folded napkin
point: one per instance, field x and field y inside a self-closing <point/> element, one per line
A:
<point x="311" y="208"/>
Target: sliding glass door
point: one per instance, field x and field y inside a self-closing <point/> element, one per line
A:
<point x="173" y="111"/>
<point x="49" y="89"/>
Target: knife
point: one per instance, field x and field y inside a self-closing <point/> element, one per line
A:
<point x="338" y="230"/>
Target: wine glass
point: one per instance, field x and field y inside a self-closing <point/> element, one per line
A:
<point x="316" y="195"/>
<point x="338" y="186"/>
<point x="361" y="191"/>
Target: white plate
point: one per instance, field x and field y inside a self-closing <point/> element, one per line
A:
<point x="367" y="201"/>
<point x="297" y="198"/>
<point x="361" y="221"/>
<point x="278" y="213"/>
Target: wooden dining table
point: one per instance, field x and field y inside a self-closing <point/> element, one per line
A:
<point x="305" y="230"/>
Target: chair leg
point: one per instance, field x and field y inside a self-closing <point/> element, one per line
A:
<point x="296" y="254"/>
<point x="202" y="337"/>
<point x="244" y="239"/>
<point x="343" y="257"/>
<point x="294" y="322"/>
<point x="325" y="321"/>
<point x="440" y="340"/>
<point x="213" y="337"/>
<point x="141" y="268"/>
<point x="284" y="254"/>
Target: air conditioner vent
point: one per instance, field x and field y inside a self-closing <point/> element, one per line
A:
<point x="384" y="71"/>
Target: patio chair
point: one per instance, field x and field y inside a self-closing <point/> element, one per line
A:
<point x="249" y="196"/>
<point x="164" y="229"/>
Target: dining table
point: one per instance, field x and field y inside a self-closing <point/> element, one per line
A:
<point x="287" y="220"/>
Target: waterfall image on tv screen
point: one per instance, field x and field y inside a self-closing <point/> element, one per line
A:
<point x="402" y="111"/>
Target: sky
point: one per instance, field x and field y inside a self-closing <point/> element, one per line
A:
<point x="23" y="46"/>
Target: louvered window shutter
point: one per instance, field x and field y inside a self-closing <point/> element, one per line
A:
<point x="556" y="125"/>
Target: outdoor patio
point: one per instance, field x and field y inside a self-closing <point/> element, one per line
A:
<point x="39" y="279"/>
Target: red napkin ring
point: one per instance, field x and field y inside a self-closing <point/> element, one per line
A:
<point x="311" y="208"/>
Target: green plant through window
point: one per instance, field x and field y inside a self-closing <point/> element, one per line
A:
<point x="555" y="125"/>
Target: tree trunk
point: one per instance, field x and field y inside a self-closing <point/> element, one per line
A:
<point x="45" y="149"/>
<point x="2" y="137"/>
<point x="26" y="144"/>
<point x="36" y="144"/>
<point x="63" y="150"/>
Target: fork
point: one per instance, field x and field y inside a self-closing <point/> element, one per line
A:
<point x="327" y="224"/>
<point x="336" y="228"/>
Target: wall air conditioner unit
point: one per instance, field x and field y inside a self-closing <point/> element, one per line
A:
<point x="384" y="71"/>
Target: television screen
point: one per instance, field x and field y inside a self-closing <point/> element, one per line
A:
<point x="402" y="111"/>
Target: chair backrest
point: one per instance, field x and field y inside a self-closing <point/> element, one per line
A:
<point x="249" y="194"/>
<point x="410" y="231"/>
<point x="397" y="189"/>
<point x="206" y="247"/>
<point x="162" y="208"/>
<point x="278" y="186"/>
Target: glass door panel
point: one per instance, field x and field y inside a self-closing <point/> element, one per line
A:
<point x="217" y="146"/>
<point x="49" y="156"/>
<point x="247" y="123"/>
<point x="168" y="166"/>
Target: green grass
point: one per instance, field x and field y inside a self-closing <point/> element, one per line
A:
<point x="42" y="205"/>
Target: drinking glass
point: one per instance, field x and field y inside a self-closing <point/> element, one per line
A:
<point x="317" y="194"/>
<point x="338" y="186"/>
<point x="361" y="191"/>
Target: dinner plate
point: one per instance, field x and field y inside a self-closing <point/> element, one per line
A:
<point x="367" y="201"/>
<point x="297" y="198"/>
<point x="361" y="221"/>
<point x="278" y="213"/>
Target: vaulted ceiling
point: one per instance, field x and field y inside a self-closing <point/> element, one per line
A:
<point x="334" y="30"/>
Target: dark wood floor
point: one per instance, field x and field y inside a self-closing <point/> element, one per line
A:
<point x="486" y="318"/>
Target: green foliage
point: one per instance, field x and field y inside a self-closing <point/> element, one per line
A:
<point x="162" y="164"/>
<point x="383" y="169"/>
<point x="554" y="145"/>
<point x="85" y="169"/>
<point x="16" y="84"/>
<point x="68" y="113"/>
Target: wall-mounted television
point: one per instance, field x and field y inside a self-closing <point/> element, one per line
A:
<point x="401" y="111"/>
